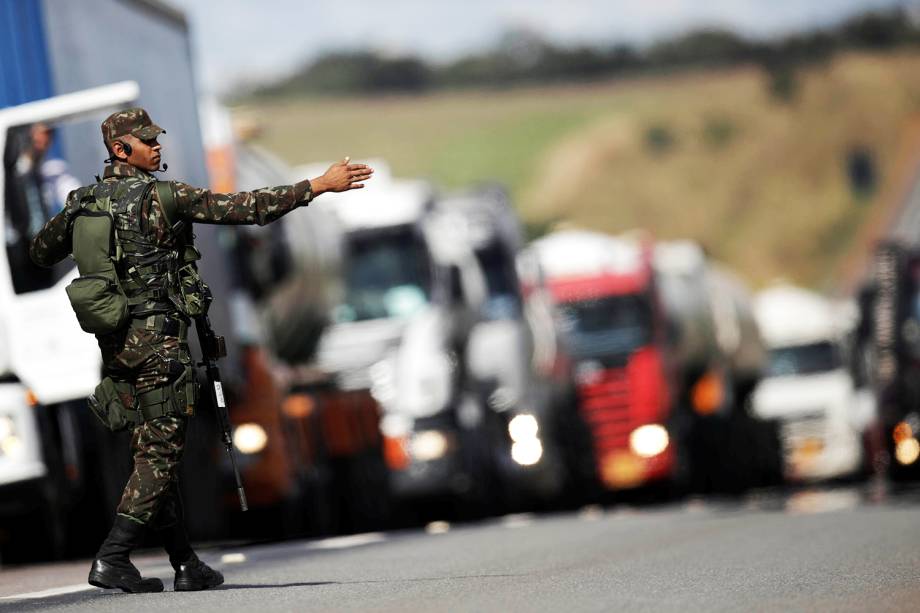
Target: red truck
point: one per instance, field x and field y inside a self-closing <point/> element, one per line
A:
<point x="666" y="353"/>
<point x="613" y="320"/>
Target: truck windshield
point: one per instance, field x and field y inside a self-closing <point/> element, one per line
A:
<point x="609" y="325"/>
<point x="804" y="359"/>
<point x="35" y="187"/>
<point x="387" y="275"/>
<point x="502" y="301"/>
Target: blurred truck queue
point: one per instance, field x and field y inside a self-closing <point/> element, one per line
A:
<point x="400" y="353"/>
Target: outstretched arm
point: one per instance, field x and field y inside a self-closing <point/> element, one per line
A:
<point x="265" y="205"/>
<point x="53" y="243"/>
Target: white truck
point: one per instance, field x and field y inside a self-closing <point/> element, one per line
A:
<point x="514" y="358"/>
<point x="412" y="293"/>
<point x="48" y="453"/>
<point x="808" y="387"/>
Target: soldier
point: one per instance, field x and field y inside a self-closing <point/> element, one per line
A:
<point x="147" y="360"/>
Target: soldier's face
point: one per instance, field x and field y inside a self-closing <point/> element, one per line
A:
<point x="145" y="154"/>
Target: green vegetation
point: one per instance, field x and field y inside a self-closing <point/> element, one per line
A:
<point x="524" y="57"/>
<point x="762" y="183"/>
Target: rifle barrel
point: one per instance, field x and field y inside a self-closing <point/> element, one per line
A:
<point x="207" y="340"/>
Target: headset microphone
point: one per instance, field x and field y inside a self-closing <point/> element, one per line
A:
<point x="164" y="169"/>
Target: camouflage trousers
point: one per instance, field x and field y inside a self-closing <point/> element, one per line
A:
<point x="152" y="489"/>
<point x="150" y="360"/>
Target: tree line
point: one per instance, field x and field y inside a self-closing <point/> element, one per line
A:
<point x="524" y="57"/>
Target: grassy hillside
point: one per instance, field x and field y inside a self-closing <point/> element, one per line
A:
<point x="711" y="156"/>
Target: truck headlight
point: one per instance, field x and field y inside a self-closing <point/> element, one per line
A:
<point x="527" y="452"/>
<point x="428" y="445"/>
<point x="10" y="443"/>
<point x="523" y="427"/>
<point x="649" y="440"/>
<point x="907" y="451"/>
<point x="250" y="438"/>
<point x="526" y="449"/>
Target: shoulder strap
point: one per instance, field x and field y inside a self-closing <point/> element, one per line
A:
<point x="167" y="198"/>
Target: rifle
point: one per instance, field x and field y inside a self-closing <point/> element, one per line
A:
<point x="213" y="347"/>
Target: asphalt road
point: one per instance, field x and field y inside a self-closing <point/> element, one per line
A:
<point x="837" y="549"/>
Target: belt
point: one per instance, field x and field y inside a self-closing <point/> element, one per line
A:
<point x="168" y="324"/>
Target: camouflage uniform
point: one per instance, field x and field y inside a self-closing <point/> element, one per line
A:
<point x="152" y="351"/>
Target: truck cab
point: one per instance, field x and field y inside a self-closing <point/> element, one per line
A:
<point x="513" y="354"/>
<point x="48" y="445"/>
<point x="807" y="386"/>
<point x="411" y="292"/>
<point x="611" y="317"/>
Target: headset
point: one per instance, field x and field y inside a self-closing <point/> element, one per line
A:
<point x="128" y="150"/>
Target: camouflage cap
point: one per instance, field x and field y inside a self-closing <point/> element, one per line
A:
<point x="134" y="121"/>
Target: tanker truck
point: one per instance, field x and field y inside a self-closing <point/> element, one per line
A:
<point x="718" y="357"/>
<point x="611" y="317"/>
<point x="392" y="364"/>
<point x="514" y="361"/>
<point x="666" y="355"/>
<point x="282" y="275"/>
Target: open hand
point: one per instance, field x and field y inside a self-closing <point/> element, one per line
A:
<point x="341" y="177"/>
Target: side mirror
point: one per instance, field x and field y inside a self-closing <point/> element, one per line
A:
<point x="456" y="285"/>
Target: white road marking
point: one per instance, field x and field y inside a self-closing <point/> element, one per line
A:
<point x="233" y="558"/>
<point x="437" y="527"/>
<point x="517" y="520"/>
<point x="591" y="512"/>
<point x="814" y="502"/>
<point x="343" y="542"/>
<point x="57" y="591"/>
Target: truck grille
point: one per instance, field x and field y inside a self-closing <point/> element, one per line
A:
<point x="354" y="379"/>
<point x="811" y="426"/>
<point x="605" y="407"/>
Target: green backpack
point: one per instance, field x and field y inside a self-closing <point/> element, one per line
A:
<point x="96" y="295"/>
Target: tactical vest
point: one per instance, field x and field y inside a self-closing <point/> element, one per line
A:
<point x="129" y="271"/>
<point x="122" y="262"/>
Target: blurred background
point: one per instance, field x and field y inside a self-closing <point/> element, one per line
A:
<point x="610" y="249"/>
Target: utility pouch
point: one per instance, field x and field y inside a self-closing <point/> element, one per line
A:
<point x="185" y="392"/>
<point x="96" y="296"/>
<point x="99" y="302"/>
<point x="107" y="403"/>
<point x="176" y="398"/>
<point x="194" y="292"/>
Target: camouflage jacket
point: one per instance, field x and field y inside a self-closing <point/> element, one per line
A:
<point x="53" y="242"/>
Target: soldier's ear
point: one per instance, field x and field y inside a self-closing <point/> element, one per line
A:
<point x="120" y="150"/>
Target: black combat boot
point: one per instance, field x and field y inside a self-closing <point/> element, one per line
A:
<point x="191" y="573"/>
<point x="112" y="567"/>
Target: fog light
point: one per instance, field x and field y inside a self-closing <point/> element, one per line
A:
<point x="907" y="451"/>
<point x="523" y="427"/>
<point x="250" y="438"/>
<point x="902" y="432"/>
<point x="527" y="452"/>
<point x="428" y="445"/>
<point x="11" y="446"/>
<point x="7" y="427"/>
<point x="10" y="443"/>
<point x="649" y="440"/>
<point x="708" y="394"/>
